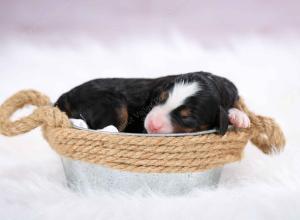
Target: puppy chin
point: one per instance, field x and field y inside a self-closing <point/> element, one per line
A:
<point x="161" y="131"/>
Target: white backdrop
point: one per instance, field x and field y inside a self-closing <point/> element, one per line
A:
<point x="260" y="187"/>
<point x="265" y="67"/>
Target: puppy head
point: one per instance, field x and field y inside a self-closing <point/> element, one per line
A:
<point x="186" y="106"/>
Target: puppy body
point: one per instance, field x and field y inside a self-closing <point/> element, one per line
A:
<point x="177" y="103"/>
<point x="121" y="102"/>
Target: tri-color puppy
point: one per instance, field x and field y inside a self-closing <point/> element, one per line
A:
<point x="172" y="104"/>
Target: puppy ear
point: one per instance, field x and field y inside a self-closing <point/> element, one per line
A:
<point x="223" y="120"/>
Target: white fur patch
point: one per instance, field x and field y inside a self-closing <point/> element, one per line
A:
<point x="82" y="124"/>
<point x="180" y="92"/>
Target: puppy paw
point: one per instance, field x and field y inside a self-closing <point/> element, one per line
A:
<point x="238" y="118"/>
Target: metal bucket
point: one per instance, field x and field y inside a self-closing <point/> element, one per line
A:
<point x="82" y="176"/>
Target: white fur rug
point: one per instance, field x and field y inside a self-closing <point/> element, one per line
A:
<point x="266" y="71"/>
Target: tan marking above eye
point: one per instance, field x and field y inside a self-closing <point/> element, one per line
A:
<point x="186" y="112"/>
<point x="163" y="96"/>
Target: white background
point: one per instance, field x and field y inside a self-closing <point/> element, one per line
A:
<point x="53" y="46"/>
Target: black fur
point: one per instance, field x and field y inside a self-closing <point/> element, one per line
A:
<point x="98" y="102"/>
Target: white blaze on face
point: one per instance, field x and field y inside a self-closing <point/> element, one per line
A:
<point x="158" y="119"/>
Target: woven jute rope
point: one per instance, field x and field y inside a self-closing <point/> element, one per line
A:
<point x="139" y="153"/>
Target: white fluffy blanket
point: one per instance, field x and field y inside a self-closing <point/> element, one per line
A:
<point x="267" y="73"/>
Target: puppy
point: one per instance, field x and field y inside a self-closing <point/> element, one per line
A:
<point x="172" y="104"/>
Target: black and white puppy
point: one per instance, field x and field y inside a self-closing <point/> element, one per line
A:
<point x="172" y="104"/>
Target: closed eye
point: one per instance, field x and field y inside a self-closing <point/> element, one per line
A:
<point x="186" y="117"/>
<point x="189" y="121"/>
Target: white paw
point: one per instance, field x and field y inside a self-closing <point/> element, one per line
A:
<point x="238" y="118"/>
<point x="109" y="128"/>
<point x="78" y="123"/>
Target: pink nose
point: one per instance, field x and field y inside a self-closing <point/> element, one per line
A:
<point x="155" y="125"/>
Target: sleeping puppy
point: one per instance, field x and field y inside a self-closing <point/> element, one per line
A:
<point x="172" y="104"/>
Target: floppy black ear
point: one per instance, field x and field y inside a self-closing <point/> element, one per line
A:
<point x="223" y="120"/>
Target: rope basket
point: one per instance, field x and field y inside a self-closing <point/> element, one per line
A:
<point x="139" y="153"/>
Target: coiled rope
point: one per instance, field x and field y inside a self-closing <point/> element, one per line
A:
<point x="139" y="153"/>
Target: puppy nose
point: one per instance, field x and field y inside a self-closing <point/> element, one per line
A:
<point x="155" y="125"/>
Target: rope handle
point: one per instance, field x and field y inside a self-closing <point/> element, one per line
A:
<point x="44" y="114"/>
<point x="265" y="133"/>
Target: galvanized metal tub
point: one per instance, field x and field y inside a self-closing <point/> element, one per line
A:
<point x="83" y="177"/>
